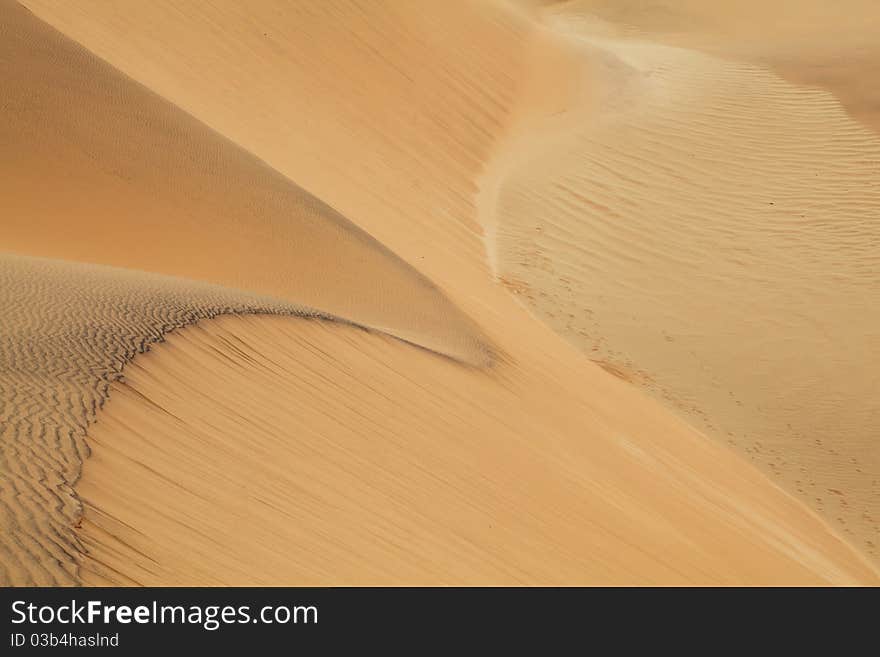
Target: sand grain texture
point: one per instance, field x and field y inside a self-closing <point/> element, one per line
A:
<point x="708" y="230"/>
<point x="68" y="331"/>
<point x="578" y="202"/>
<point x="284" y="452"/>
<point x="136" y="182"/>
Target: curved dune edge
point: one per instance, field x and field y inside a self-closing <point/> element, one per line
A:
<point x="138" y="183"/>
<point x="255" y="450"/>
<point x="394" y="186"/>
<point x="717" y="251"/>
<point x="69" y="331"/>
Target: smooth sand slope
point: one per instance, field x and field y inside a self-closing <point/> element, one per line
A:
<point x="277" y="451"/>
<point x="284" y="451"/>
<point x="99" y="169"/>
<point x="829" y="45"/>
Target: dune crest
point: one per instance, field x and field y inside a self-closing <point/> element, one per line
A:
<point x="291" y="149"/>
<point x="68" y="330"/>
<point x="138" y="183"/>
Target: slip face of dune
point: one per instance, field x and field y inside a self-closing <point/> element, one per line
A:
<point x="294" y="452"/>
<point x="278" y="451"/>
<point x="388" y="111"/>
<point x="97" y="168"/>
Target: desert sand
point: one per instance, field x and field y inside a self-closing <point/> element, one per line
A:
<point x="575" y="293"/>
<point x="708" y="230"/>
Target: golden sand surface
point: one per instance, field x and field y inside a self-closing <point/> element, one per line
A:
<point x="708" y="230"/>
<point x="278" y="451"/>
<point x="97" y="168"/>
<point x="526" y="220"/>
<point x="68" y="331"/>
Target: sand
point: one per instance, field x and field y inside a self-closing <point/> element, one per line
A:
<point x="285" y="452"/>
<point x="99" y="169"/>
<point x="388" y="166"/>
<point x="707" y="230"/>
<point x="68" y="331"/>
<point x="830" y="46"/>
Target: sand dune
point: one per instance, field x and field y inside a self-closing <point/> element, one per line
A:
<point x="68" y="331"/>
<point x="138" y="183"/>
<point x="388" y="163"/>
<point x="831" y="46"/>
<point x="278" y="451"/>
<point x="707" y="230"/>
<point x="389" y="113"/>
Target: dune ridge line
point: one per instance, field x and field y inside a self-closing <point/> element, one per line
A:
<point x="68" y="331"/>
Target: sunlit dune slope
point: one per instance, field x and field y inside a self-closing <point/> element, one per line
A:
<point x="386" y="463"/>
<point x="709" y="231"/>
<point x="278" y="451"/>
<point x="828" y="45"/>
<point x="66" y="332"/>
<point x="95" y="167"/>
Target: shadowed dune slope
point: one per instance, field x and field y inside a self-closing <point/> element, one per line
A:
<point x="284" y="452"/>
<point x="95" y="167"/>
<point x="388" y="111"/>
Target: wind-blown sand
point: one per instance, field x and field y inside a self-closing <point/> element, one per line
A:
<point x="68" y="331"/>
<point x="291" y="151"/>
<point x="832" y="46"/>
<point x="707" y="230"/>
<point x="280" y="452"/>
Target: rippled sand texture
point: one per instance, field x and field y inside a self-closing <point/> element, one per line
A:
<point x="709" y="231"/>
<point x="96" y="168"/>
<point x="68" y="331"/>
<point x="248" y="142"/>
<point x="832" y="46"/>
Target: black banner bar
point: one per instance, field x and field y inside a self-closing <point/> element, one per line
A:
<point x="131" y="620"/>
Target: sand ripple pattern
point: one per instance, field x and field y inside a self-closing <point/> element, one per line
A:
<point x="67" y="331"/>
<point x="709" y="231"/>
